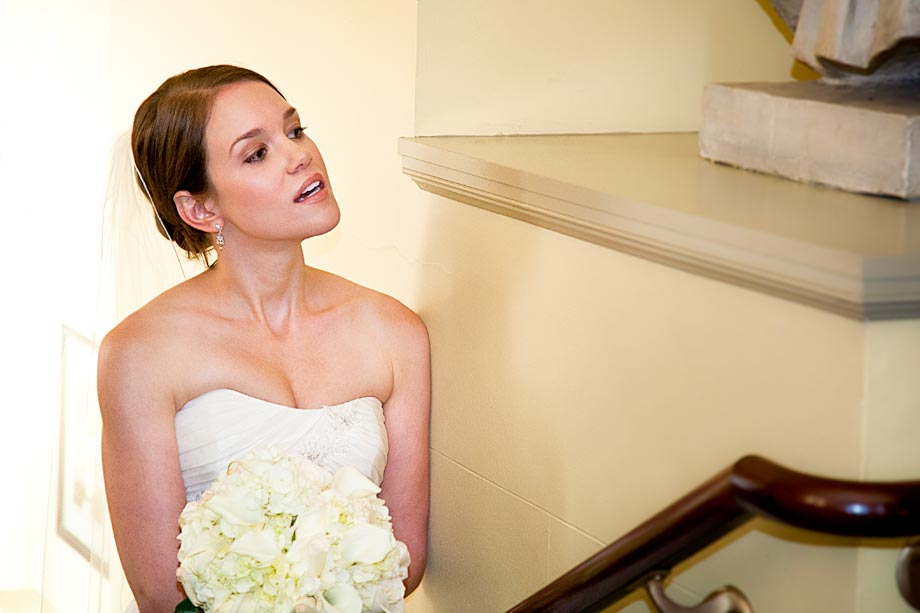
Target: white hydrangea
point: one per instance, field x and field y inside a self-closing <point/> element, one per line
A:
<point x="279" y="534"/>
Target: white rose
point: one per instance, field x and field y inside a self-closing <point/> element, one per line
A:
<point x="389" y="596"/>
<point x="306" y="606"/>
<point x="362" y="573"/>
<point x="403" y="559"/>
<point x="311" y="476"/>
<point x="198" y="549"/>
<point x="308" y="556"/>
<point x="236" y="507"/>
<point x="308" y="586"/>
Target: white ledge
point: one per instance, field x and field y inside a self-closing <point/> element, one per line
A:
<point x="651" y="195"/>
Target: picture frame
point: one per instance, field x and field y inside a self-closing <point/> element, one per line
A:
<point x="80" y="496"/>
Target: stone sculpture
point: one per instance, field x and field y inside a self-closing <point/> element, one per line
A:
<point x="856" y="128"/>
<point x="855" y="38"/>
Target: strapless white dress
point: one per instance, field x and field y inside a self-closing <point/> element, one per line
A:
<point x="223" y="424"/>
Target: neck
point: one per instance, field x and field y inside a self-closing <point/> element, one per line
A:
<point x="267" y="286"/>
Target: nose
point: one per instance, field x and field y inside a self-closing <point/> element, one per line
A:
<point x="300" y="157"/>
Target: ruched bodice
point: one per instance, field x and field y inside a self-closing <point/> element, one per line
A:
<point x="221" y="425"/>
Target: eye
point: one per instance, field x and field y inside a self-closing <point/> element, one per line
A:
<point x="258" y="156"/>
<point x="297" y="132"/>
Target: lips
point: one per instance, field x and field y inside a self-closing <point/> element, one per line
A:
<point x="311" y="187"/>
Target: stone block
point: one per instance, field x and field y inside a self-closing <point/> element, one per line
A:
<point x="862" y="138"/>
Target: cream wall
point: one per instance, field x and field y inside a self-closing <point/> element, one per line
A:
<point x="578" y="390"/>
<point x="519" y="67"/>
<point x="52" y="159"/>
<point x="891" y="432"/>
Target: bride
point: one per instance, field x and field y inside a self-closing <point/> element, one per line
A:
<point x="258" y="349"/>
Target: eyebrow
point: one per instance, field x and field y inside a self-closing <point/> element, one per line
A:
<point x="256" y="131"/>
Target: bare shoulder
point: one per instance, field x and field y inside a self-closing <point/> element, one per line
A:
<point x="145" y="331"/>
<point x="138" y="354"/>
<point x="375" y="312"/>
<point x="125" y="345"/>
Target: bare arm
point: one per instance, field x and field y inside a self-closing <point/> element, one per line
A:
<point x="140" y="460"/>
<point x="405" y="483"/>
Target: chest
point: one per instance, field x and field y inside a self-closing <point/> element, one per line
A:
<point x="323" y="363"/>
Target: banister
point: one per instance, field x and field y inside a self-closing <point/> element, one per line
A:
<point x="831" y="506"/>
<point x="753" y="486"/>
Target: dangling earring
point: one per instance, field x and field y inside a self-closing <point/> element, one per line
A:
<point x="220" y="236"/>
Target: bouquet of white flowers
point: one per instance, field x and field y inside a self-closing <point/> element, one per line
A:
<point x="277" y="534"/>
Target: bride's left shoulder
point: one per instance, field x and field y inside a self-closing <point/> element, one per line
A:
<point x="384" y="313"/>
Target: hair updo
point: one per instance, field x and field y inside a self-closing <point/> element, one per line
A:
<point x="168" y="142"/>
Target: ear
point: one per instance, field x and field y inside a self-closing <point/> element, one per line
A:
<point x="195" y="211"/>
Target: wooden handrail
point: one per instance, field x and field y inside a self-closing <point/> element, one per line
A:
<point x="752" y="487"/>
<point x="831" y="506"/>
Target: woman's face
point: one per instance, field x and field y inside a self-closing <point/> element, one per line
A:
<point x="267" y="178"/>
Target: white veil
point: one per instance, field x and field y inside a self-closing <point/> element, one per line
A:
<point x="138" y="262"/>
<point x="135" y="264"/>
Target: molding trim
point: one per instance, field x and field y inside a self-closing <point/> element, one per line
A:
<point x="836" y="280"/>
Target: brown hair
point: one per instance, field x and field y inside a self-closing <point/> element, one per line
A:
<point x="168" y="142"/>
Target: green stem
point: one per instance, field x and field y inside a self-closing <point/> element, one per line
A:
<point x="186" y="606"/>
